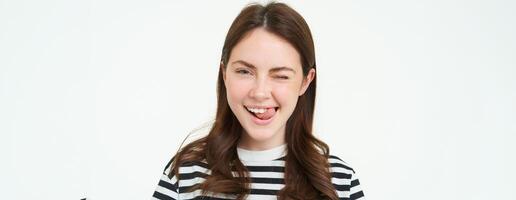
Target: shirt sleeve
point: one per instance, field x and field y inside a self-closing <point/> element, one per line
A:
<point x="167" y="188"/>
<point x="355" y="190"/>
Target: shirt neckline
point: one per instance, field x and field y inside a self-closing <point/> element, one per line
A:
<point x="263" y="155"/>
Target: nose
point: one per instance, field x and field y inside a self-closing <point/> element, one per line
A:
<point x="261" y="90"/>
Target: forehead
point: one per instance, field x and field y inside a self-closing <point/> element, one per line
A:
<point x="265" y="50"/>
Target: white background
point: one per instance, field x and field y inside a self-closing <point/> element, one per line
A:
<point x="95" y="96"/>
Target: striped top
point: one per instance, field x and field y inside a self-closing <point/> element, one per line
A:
<point x="266" y="172"/>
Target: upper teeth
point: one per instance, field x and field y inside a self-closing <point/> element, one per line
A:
<point x="257" y="110"/>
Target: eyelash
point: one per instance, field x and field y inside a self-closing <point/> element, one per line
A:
<point x="240" y="71"/>
<point x="245" y="72"/>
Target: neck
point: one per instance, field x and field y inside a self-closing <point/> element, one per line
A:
<point x="261" y="156"/>
<point x="255" y="145"/>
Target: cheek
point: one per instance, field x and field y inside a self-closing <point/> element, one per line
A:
<point x="236" y="91"/>
<point x="287" y="95"/>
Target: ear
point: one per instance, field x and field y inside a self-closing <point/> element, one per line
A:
<point x="306" y="81"/>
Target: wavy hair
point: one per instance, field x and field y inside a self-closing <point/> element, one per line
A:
<point x="307" y="174"/>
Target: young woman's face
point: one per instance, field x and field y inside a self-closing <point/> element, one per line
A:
<point x="264" y="79"/>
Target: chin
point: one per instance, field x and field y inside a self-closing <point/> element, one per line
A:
<point x="260" y="135"/>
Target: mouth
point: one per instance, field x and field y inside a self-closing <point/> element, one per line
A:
<point x="262" y="115"/>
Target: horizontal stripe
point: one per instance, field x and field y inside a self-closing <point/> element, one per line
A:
<point x="207" y="198"/>
<point x="192" y="175"/>
<point x="167" y="185"/>
<point x="190" y="182"/>
<point x="354" y="183"/>
<point x="195" y="163"/>
<point x="266" y="168"/>
<point x="264" y="191"/>
<point x="356" y="195"/>
<point x="267" y="186"/>
<point x="340" y="175"/>
<point x="267" y="179"/>
<point x="159" y="195"/>
<point x="341" y="187"/>
<point x="340" y="165"/>
<point x="340" y="181"/>
<point x="266" y="174"/>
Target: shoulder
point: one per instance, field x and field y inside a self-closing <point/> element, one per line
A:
<point x="188" y="169"/>
<point x="167" y="187"/>
<point x="338" y="164"/>
<point x="341" y="171"/>
<point x="189" y="158"/>
<point x="344" y="179"/>
<point x="171" y="186"/>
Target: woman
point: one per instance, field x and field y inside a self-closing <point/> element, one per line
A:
<point x="261" y="144"/>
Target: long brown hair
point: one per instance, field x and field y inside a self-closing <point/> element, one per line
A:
<point x="307" y="174"/>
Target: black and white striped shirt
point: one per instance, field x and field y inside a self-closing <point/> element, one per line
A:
<point x="266" y="172"/>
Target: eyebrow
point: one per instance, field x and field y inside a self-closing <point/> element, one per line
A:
<point x="274" y="69"/>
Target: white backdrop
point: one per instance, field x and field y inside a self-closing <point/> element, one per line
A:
<point x="95" y="96"/>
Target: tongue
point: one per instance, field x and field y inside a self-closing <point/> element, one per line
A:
<point x="267" y="114"/>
